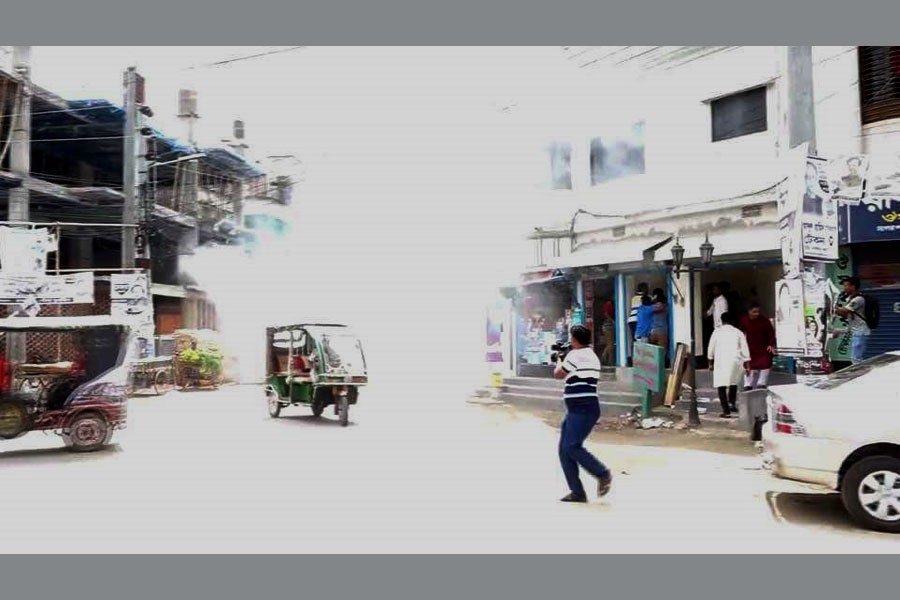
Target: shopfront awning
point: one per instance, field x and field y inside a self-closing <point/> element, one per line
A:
<point x="618" y="252"/>
<point x="727" y="243"/>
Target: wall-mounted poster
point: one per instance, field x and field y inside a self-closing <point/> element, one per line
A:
<point x="847" y="177"/>
<point x="819" y="217"/>
<point x="816" y="308"/>
<point x="790" y="323"/>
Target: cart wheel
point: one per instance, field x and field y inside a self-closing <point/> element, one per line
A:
<point x="344" y="410"/>
<point x="318" y="408"/>
<point x="87" y="432"/>
<point x="274" y="403"/>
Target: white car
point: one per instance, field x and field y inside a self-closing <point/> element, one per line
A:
<point x="843" y="433"/>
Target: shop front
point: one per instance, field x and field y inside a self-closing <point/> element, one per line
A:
<point x="871" y="230"/>
<point x="745" y="264"/>
<point x="546" y="306"/>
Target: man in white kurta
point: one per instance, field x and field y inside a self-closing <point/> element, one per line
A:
<point x="729" y="357"/>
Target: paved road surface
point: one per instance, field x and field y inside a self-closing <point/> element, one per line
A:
<point x="210" y="472"/>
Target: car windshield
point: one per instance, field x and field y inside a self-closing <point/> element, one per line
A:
<point x="856" y="371"/>
<point x="344" y="353"/>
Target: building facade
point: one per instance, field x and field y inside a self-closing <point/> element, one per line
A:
<point x="703" y="158"/>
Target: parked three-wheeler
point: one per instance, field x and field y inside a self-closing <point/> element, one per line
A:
<point x="83" y="399"/>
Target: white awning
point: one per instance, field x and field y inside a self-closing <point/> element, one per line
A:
<point x="169" y="291"/>
<point x="728" y="242"/>
<point x="611" y="253"/>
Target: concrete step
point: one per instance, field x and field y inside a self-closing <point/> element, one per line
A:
<point x="611" y="404"/>
<point x="534" y="382"/>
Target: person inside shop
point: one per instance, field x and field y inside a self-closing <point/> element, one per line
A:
<point x="761" y="343"/>
<point x="854" y="310"/>
<point x="719" y="305"/>
<point x="644" y="320"/>
<point x="729" y="359"/>
<point x="659" y="328"/>
<point x="609" y="333"/>
<point x="636" y="302"/>
<point x="581" y="371"/>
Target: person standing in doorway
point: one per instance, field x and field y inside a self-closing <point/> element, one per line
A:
<point x="609" y="333"/>
<point x="761" y="343"/>
<point x="854" y="311"/>
<point x="644" y="320"/>
<point x="729" y="359"/>
<point x="581" y="370"/>
<point x="719" y="305"/>
<point x="641" y="291"/>
<point x="659" y="328"/>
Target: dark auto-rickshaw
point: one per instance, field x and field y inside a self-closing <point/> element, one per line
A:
<point x="315" y="365"/>
<point x="83" y="398"/>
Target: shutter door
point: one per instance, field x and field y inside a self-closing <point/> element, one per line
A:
<point x="887" y="337"/>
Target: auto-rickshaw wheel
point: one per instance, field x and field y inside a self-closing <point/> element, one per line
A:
<point x="318" y="408"/>
<point x="344" y="410"/>
<point x="274" y="403"/>
<point x="87" y="432"/>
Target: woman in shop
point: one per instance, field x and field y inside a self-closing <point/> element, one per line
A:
<point x="659" y="329"/>
<point x="761" y="343"/>
<point x="609" y="334"/>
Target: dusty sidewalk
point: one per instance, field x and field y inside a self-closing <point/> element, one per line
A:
<point x="714" y="434"/>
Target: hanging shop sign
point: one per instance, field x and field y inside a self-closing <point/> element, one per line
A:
<point x="494" y="337"/>
<point x="129" y="296"/>
<point x="77" y="288"/>
<point x="874" y="219"/>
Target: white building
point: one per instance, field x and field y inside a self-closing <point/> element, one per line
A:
<point x="717" y="123"/>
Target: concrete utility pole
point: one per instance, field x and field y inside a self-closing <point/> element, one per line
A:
<point x="20" y="165"/>
<point x="800" y="99"/>
<point x="130" y="145"/>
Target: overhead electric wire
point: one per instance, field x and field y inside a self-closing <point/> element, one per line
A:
<point x="246" y="57"/>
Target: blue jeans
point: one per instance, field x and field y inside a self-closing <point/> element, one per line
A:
<point x="576" y="426"/>
<point x="858" y="345"/>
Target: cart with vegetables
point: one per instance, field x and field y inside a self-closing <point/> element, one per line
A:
<point x="198" y="361"/>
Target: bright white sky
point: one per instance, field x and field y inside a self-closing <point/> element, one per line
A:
<point x="418" y="187"/>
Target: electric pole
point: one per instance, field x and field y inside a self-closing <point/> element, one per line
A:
<point x="130" y="145"/>
<point x="20" y="165"/>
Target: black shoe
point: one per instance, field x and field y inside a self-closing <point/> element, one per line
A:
<point x="603" y="485"/>
<point x="727" y="415"/>
<point x="734" y="408"/>
<point x="574" y="498"/>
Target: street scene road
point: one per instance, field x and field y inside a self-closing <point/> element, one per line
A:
<point x="212" y="472"/>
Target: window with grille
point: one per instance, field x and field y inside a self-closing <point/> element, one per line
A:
<point x="739" y="114"/>
<point x="879" y="83"/>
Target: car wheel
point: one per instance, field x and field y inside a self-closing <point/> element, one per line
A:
<point x="87" y="432"/>
<point x="871" y="493"/>
<point x="274" y="404"/>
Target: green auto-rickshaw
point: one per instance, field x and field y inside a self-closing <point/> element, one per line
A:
<point x="315" y="365"/>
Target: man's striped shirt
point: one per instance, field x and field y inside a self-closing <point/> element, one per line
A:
<point x="583" y="373"/>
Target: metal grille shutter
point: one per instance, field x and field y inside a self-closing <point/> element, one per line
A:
<point x="887" y="337"/>
<point x="879" y="83"/>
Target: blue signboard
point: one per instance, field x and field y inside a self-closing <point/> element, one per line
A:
<point x="872" y="220"/>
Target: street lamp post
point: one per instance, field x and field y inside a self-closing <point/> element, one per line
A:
<point x="706" y="256"/>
